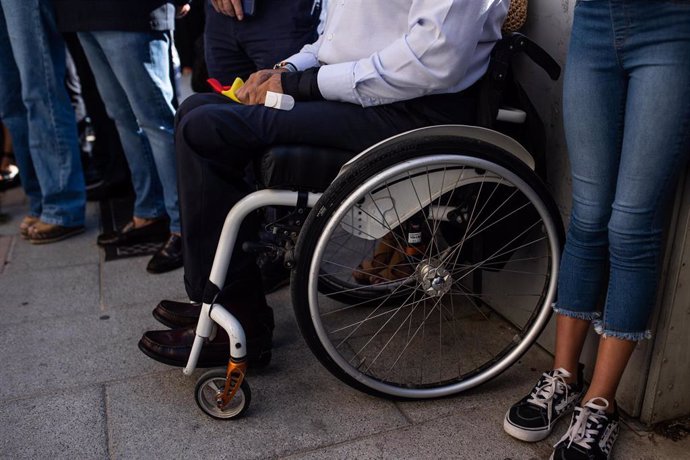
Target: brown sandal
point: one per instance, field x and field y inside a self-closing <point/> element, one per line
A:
<point x="43" y="233"/>
<point x="368" y="270"/>
<point x="26" y="224"/>
<point x="398" y="267"/>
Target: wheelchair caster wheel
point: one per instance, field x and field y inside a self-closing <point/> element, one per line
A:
<point x="210" y="385"/>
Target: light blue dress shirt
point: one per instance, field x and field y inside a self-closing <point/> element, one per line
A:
<point x="375" y="52"/>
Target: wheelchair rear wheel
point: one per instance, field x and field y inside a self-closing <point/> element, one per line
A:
<point x="468" y="242"/>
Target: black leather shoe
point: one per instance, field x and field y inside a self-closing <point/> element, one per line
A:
<point x="168" y="258"/>
<point x="155" y="231"/>
<point x="173" y="347"/>
<point x="183" y="314"/>
<point x="177" y="314"/>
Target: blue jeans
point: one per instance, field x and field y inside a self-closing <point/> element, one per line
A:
<point x="36" y="109"/>
<point x="627" y="122"/>
<point x="132" y="71"/>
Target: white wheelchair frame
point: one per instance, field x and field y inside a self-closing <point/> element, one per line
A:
<point x="214" y="315"/>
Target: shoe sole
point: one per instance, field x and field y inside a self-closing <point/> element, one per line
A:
<point x="115" y="243"/>
<point x="170" y="362"/>
<point x="263" y="360"/>
<point x="172" y="325"/>
<point x="528" y="435"/>
<point x="64" y="236"/>
<point x="166" y="269"/>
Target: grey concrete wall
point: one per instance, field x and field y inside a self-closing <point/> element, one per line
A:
<point x="666" y="394"/>
<point x="549" y="23"/>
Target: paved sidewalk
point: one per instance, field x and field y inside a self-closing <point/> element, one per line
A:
<point x="75" y="385"/>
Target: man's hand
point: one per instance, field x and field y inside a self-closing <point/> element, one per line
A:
<point x="232" y="8"/>
<point x="254" y="90"/>
<point x="182" y="11"/>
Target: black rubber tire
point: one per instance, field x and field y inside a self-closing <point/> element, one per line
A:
<point x="376" y="161"/>
<point x="220" y="374"/>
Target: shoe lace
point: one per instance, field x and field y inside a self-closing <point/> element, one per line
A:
<point x="586" y="424"/>
<point x="551" y="384"/>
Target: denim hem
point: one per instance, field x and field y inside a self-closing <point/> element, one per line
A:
<point x="152" y="216"/>
<point x="586" y="315"/>
<point x="633" y="336"/>
<point x="61" y="222"/>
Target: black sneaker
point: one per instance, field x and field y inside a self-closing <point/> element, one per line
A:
<point x="591" y="434"/>
<point x="532" y="418"/>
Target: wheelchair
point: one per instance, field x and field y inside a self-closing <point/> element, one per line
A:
<point x="468" y="241"/>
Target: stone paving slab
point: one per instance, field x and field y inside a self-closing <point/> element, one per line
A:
<point x="296" y="405"/>
<point x="644" y="445"/>
<point x="72" y="351"/>
<point x="42" y="294"/>
<point x="126" y="282"/>
<point x="6" y="244"/>
<point x="76" y="386"/>
<point x="465" y="435"/>
<point x="78" y="250"/>
<point x="54" y="425"/>
<point x="512" y="385"/>
<point x="13" y="204"/>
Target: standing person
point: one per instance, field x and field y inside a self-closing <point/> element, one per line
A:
<point x="128" y="46"/>
<point x="107" y="156"/>
<point x="627" y="121"/>
<point x="379" y="69"/>
<point x="35" y="107"/>
<point x="237" y="44"/>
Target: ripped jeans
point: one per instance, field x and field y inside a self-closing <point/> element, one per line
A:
<point x="627" y="122"/>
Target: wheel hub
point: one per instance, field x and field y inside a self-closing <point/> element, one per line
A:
<point x="433" y="277"/>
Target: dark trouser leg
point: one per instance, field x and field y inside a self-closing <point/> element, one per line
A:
<point x="291" y="26"/>
<point x="225" y="58"/>
<point x="216" y="139"/>
<point x="278" y="30"/>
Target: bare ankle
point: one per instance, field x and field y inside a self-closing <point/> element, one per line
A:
<point x="572" y="370"/>
<point x="141" y="221"/>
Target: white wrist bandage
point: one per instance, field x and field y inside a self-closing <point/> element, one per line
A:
<point x="279" y="101"/>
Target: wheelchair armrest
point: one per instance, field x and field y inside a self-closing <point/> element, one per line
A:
<point x="519" y="42"/>
<point x="495" y="82"/>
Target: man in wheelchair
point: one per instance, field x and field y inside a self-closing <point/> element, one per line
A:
<point x="379" y="69"/>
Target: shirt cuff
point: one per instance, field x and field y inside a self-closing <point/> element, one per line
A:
<point x="337" y="82"/>
<point x="303" y="61"/>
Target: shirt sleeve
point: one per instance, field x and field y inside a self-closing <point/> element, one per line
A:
<point x="307" y="56"/>
<point x="435" y="53"/>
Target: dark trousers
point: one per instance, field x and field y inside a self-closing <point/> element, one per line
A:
<point x="216" y="139"/>
<point x="278" y="30"/>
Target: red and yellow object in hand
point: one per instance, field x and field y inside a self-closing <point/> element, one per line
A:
<point x="228" y="91"/>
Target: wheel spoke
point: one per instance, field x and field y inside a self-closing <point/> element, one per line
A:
<point x="413" y="322"/>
